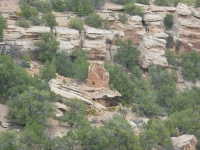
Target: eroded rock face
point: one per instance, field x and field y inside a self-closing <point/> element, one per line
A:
<point x="184" y="142"/>
<point x="182" y="9"/>
<point x="152" y="52"/>
<point x="186" y="31"/>
<point x="96" y="41"/>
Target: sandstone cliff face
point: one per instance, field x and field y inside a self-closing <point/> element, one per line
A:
<point x="184" y="142"/>
<point x="148" y="33"/>
<point x="186" y="28"/>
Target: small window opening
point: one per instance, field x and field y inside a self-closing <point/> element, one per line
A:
<point x="92" y="83"/>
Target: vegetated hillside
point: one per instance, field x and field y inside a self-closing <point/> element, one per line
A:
<point x="154" y="83"/>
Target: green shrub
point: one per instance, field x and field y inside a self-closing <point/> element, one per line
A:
<point x="48" y="71"/>
<point x="191" y="65"/>
<point x="76" y="23"/>
<point x="106" y="24"/>
<point x="58" y="5"/>
<point x="83" y="8"/>
<point x="197" y="3"/>
<point x="24" y="23"/>
<point x="127" y="53"/>
<point x="122" y="1"/>
<point x="20" y="79"/>
<point x="98" y="3"/>
<point x="162" y="2"/>
<point x="145" y="2"/>
<point x="63" y="64"/>
<point x="48" y="46"/>
<point x="28" y="11"/>
<point x="172" y="58"/>
<point x="25" y="63"/>
<point x="132" y="9"/>
<point x="164" y="82"/>
<point x="36" y="20"/>
<point x="1" y="33"/>
<point x="76" y="113"/>
<point x="93" y="20"/>
<point x="42" y="6"/>
<point x="31" y="105"/>
<point x="3" y="21"/>
<point x="123" y="18"/>
<point x="0" y="122"/>
<point x="50" y="20"/>
<point x="79" y="69"/>
<point x="168" y="21"/>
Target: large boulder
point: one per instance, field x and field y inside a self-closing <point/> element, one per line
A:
<point x="183" y="9"/>
<point x="136" y="19"/>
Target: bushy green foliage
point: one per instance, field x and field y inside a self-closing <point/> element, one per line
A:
<point x="145" y="2"/>
<point x="197" y="3"/>
<point x="14" y="79"/>
<point x="63" y="64"/>
<point x="28" y="11"/>
<point x="108" y="136"/>
<point x="31" y="105"/>
<point x="50" y="20"/>
<point x="168" y="21"/>
<point x="123" y="18"/>
<point x="191" y="65"/>
<point x="79" y="69"/>
<point x="162" y="2"/>
<point x="3" y="21"/>
<point x="25" y="61"/>
<point x="1" y="33"/>
<point x="36" y="21"/>
<point x="3" y="24"/>
<point x="24" y="23"/>
<point x="156" y="135"/>
<point x="76" y="23"/>
<point x="76" y="113"/>
<point x="122" y="1"/>
<point x="127" y="53"/>
<point x="42" y="6"/>
<point x="98" y="3"/>
<point x="181" y="122"/>
<point x="172" y="58"/>
<point x="164" y="83"/>
<point x="48" y="46"/>
<point x="75" y="67"/>
<point x="133" y="88"/>
<point x="186" y="99"/>
<point x="82" y="7"/>
<point x="48" y="70"/>
<point x="132" y="9"/>
<point x="93" y="20"/>
<point x="8" y="140"/>
<point x="58" y="5"/>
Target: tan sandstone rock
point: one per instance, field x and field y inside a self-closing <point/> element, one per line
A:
<point x="184" y="142"/>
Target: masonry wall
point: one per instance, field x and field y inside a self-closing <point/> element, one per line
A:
<point x="98" y="77"/>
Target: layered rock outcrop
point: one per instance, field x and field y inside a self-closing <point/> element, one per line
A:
<point x="92" y="94"/>
<point x="184" y="142"/>
<point x="152" y="47"/>
<point x="186" y="28"/>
